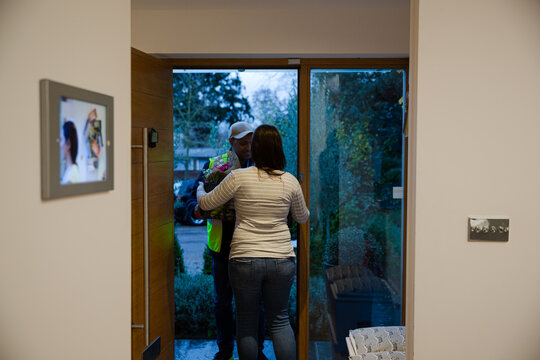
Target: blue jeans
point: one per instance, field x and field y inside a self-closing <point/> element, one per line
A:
<point x="223" y="310"/>
<point x="272" y="278"/>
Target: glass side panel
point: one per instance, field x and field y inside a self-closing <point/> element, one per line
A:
<point x="356" y="167"/>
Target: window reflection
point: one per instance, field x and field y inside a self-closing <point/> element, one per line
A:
<point x="356" y="119"/>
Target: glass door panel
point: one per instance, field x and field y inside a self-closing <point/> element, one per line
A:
<point x="356" y="187"/>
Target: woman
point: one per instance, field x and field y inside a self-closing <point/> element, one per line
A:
<point x="69" y="147"/>
<point x="262" y="256"/>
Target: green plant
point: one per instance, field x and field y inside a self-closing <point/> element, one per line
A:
<point x="331" y="250"/>
<point x="318" y="313"/>
<point x="318" y="320"/>
<point x="194" y="307"/>
<point x="207" y="262"/>
<point x="201" y="101"/>
<point x="179" y="267"/>
<point x="346" y="246"/>
<point x="316" y="253"/>
<point x="384" y="245"/>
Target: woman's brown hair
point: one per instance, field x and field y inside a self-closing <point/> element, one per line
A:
<point x="267" y="149"/>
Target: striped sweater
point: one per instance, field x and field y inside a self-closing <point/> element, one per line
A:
<point x="262" y="205"/>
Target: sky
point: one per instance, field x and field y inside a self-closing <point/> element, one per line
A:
<point x="278" y="80"/>
<point x="252" y="80"/>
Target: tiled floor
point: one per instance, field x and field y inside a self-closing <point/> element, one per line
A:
<point x="205" y="350"/>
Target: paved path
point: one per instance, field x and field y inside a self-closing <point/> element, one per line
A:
<point x="190" y="349"/>
<point x="193" y="241"/>
<point x="205" y="349"/>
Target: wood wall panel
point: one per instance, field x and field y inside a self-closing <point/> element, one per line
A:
<point x="167" y="352"/>
<point x="162" y="305"/>
<point x="137" y="254"/>
<point x="144" y="115"/>
<point x="160" y="212"/>
<point x="137" y="343"/>
<point x="159" y="179"/>
<point x="161" y="259"/>
<point x="162" y="152"/>
<point x="137" y="221"/>
<point x="150" y="75"/>
<point x="160" y="244"/>
<point x="137" y="307"/>
<point x="137" y="190"/>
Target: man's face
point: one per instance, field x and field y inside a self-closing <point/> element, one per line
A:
<point x="242" y="147"/>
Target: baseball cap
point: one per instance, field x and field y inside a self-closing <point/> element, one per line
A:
<point x="240" y="129"/>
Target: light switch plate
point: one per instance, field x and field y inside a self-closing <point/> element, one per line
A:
<point x="488" y="229"/>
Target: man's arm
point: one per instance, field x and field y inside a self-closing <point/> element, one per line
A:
<point x="222" y="193"/>
<point x="197" y="212"/>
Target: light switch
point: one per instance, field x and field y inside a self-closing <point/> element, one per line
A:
<point x="487" y="229"/>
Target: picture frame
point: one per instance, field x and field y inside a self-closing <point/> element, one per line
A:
<point x="77" y="147"/>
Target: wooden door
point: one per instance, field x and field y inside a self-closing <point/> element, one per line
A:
<point x="151" y="99"/>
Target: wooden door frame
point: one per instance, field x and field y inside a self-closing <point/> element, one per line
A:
<point x="304" y="67"/>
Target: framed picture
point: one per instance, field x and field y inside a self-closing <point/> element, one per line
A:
<point x="76" y="141"/>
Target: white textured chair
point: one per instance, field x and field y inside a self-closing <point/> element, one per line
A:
<point x="377" y="343"/>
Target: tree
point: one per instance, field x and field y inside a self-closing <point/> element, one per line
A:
<point x="357" y="115"/>
<point x="201" y="101"/>
<point x="283" y="114"/>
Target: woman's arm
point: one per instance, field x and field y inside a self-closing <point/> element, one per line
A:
<point x="299" y="209"/>
<point x="219" y="196"/>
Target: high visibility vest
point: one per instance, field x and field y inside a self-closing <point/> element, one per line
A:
<point x="214" y="227"/>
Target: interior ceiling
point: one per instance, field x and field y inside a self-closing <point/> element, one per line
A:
<point x="258" y="4"/>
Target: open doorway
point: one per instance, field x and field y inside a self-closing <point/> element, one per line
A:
<point x="205" y="103"/>
<point x="350" y="133"/>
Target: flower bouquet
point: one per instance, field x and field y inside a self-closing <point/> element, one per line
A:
<point x="214" y="176"/>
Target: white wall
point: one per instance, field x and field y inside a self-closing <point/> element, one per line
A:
<point x="352" y="30"/>
<point x="64" y="264"/>
<point x="477" y="153"/>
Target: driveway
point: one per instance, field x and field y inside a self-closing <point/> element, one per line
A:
<point x="192" y="240"/>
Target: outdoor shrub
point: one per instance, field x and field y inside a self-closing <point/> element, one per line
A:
<point x="385" y="248"/>
<point x="316" y="254"/>
<point x="345" y="247"/>
<point x="383" y="245"/>
<point x="318" y="320"/>
<point x="194" y="308"/>
<point x="207" y="262"/>
<point x="318" y="313"/>
<point x="179" y="267"/>
<point x="331" y="249"/>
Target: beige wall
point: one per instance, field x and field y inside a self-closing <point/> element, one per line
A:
<point x="477" y="153"/>
<point x="64" y="264"/>
<point x="376" y="30"/>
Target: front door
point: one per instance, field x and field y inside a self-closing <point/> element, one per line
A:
<point x="152" y="269"/>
